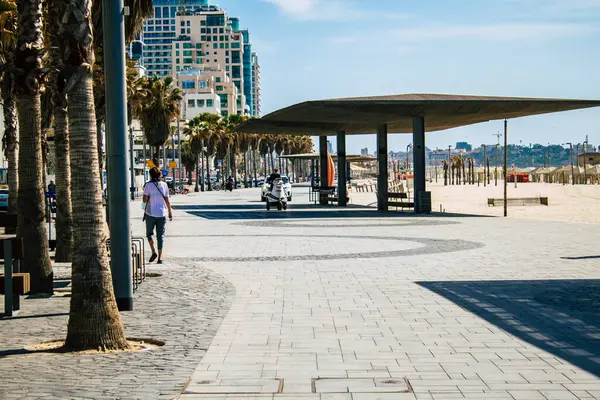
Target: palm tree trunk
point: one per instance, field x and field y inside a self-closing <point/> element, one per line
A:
<point x="246" y="168"/>
<point x="64" y="218"/>
<point x="208" y="182"/>
<point x="94" y="320"/>
<point x="255" y="169"/>
<point x="196" y="187"/>
<point x="31" y="220"/>
<point x="11" y="132"/>
<point x="100" y="137"/>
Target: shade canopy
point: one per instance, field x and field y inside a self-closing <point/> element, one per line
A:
<point x="315" y="156"/>
<point x="360" y="115"/>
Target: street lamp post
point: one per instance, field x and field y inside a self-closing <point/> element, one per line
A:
<point x="116" y="128"/>
<point x="131" y="164"/>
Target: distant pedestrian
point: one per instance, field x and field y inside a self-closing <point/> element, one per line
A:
<point x="51" y="188"/>
<point x="156" y="209"/>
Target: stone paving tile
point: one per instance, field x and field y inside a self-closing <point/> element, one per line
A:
<point x="476" y="308"/>
<point x="369" y="315"/>
<point x="183" y="308"/>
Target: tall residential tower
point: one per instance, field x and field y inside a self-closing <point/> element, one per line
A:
<point x="191" y="38"/>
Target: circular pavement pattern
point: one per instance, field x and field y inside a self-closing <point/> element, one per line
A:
<point x="428" y="246"/>
<point x="356" y="223"/>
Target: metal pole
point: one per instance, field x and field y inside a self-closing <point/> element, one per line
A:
<point x="131" y="163"/>
<point x="585" y="161"/>
<point x="341" y="164"/>
<point x="496" y="165"/>
<point x="484" y="166"/>
<point x="382" y="162"/>
<point x="8" y="278"/>
<point x="145" y="158"/>
<point x="506" y="168"/>
<point x="572" y="171"/>
<point x="173" y="157"/>
<point x="202" y="175"/>
<point x="116" y="110"/>
<point x="179" y="155"/>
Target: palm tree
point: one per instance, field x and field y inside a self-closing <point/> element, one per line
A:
<point x="139" y="10"/>
<point x="189" y="161"/>
<point x="31" y="205"/>
<point x="94" y="320"/>
<point x="254" y="145"/>
<point x="8" y="40"/>
<point x="58" y="109"/>
<point x="197" y="132"/>
<point x="160" y="103"/>
<point x="215" y="129"/>
<point x="264" y="151"/>
<point x="241" y="142"/>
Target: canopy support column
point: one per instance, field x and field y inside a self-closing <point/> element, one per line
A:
<point x="382" y="160"/>
<point x="324" y="170"/>
<point x="341" y="166"/>
<point x="419" y="161"/>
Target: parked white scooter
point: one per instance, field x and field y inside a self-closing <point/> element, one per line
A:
<point x="277" y="196"/>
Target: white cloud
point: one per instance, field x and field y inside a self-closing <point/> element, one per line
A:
<point x="495" y="32"/>
<point x="339" y="10"/>
<point x="295" y="7"/>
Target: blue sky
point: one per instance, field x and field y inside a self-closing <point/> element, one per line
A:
<point x="313" y="49"/>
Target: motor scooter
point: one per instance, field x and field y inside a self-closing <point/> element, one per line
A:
<point x="276" y="196"/>
<point x="229" y="185"/>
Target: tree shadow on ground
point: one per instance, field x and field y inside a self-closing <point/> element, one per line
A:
<point x="561" y="317"/>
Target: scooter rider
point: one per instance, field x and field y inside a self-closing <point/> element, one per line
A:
<point x="274" y="175"/>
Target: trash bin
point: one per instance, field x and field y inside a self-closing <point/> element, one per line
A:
<point x="423" y="205"/>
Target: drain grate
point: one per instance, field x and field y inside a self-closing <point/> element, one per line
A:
<point x="360" y="385"/>
<point x="236" y="386"/>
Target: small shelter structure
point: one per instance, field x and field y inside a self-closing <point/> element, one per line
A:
<point x="408" y="113"/>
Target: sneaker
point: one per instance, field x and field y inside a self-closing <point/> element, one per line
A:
<point x="159" y="262"/>
<point x="153" y="257"/>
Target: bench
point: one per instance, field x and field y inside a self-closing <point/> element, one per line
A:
<point x="518" y="201"/>
<point x="318" y="192"/>
<point x="14" y="284"/>
<point x="401" y="203"/>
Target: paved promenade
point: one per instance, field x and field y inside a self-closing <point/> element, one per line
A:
<point x="330" y="304"/>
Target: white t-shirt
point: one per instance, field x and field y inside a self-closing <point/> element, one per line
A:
<point x="156" y="191"/>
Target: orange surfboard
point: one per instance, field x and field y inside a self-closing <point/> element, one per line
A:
<point x="330" y="171"/>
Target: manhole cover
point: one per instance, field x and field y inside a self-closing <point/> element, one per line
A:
<point x="235" y="386"/>
<point x="585" y="298"/>
<point x="360" y="385"/>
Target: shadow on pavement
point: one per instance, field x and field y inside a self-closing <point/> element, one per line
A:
<point x="580" y="258"/>
<point x="561" y="317"/>
<point x="260" y="206"/>
<point x="39" y="316"/>
<point x="295" y="212"/>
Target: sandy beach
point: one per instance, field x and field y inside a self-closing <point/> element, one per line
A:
<point x="568" y="203"/>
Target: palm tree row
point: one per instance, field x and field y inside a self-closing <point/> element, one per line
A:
<point x="210" y="135"/>
<point x="50" y="77"/>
